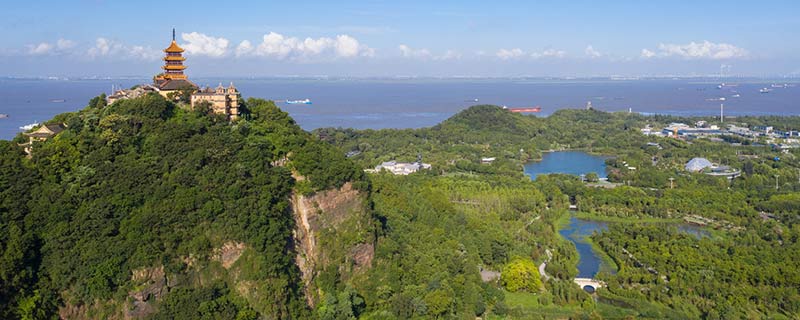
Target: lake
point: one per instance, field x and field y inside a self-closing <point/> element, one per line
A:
<point x="569" y="162"/>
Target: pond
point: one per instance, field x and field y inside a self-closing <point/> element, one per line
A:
<point x="569" y="162"/>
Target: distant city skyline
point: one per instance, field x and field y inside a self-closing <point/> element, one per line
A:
<point x="410" y="38"/>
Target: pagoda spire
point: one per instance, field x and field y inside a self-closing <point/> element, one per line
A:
<point x="173" y="61"/>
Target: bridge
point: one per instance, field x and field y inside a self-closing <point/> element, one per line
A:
<point x="588" y="282"/>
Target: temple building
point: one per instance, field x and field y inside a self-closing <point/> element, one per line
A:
<point x="39" y="135"/>
<point x="223" y="100"/>
<point x="173" y="79"/>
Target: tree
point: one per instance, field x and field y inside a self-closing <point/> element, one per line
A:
<point x="521" y="275"/>
<point x="592" y="177"/>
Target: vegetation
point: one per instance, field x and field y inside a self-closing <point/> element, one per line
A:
<point x="141" y="184"/>
<point x="521" y="275"/>
<point x="133" y="202"/>
<point x="663" y="272"/>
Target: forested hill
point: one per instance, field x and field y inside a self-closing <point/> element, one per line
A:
<point x="142" y="208"/>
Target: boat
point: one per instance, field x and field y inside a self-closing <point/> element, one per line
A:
<point x="735" y="96"/>
<point x="304" y="101"/>
<point x="3" y="116"/>
<point x="779" y="85"/>
<point x="764" y="90"/>
<point x="518" y="110"/>
<point x="29" y="126"/>
<point x="58" y="100"/>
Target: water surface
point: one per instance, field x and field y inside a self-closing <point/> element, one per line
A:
<point x="569" y="162"/>
<point x="590" y="261"/>
<point x="414" y="103"/>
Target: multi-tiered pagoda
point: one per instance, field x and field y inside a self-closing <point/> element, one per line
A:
<point x="173" y="78"/>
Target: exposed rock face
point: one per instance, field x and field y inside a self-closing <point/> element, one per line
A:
<point x="325" y="216"/>
<point x="229" y="253"/>
<point x="153" y="284"/>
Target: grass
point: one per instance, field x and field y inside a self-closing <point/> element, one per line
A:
<point x="597" y="217"/>
<point x="525" y="305"/>
<point x="607" y="265"/>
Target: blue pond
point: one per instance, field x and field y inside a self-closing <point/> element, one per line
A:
<point x="569" y="162"/>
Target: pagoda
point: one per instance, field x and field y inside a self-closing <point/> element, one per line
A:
<point x="172" y="78"/>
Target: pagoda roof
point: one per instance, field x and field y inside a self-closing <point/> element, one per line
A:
<point x="173" y="48"/>
<point x="173" y="67"/>
<point x="174" y="58"/>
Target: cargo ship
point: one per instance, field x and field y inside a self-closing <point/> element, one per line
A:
<point x="519" y="110"/>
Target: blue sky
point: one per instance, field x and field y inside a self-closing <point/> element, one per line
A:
<point x="403" y="38"/>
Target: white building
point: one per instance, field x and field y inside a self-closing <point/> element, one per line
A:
<point x="402" y="168"/>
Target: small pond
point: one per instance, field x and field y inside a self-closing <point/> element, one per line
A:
<point x="569" y="162"/>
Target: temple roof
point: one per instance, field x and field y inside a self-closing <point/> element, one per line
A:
<point x="173" y="48"/>
<point x="46" y="131"/>
<point x="176" y="84"/>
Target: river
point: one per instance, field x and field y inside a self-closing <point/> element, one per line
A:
<point x="576" y="232"/>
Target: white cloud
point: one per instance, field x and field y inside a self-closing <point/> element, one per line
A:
<point x="61" y="46"/>
<point x="549" y="53"/>
<point x="109" y="48"/>
<point x="506" y="54"/>
<point x="449" y="55"/>
<point x="591" y="52"/>
<point x="64" y="44"/>
<point x="647" y="54"/>
<point x="102" y="47"/>
<point x="424" y="54"/>
<point x="408" y="52"/>
<point x="278" y="46"/>
<point x="41" y="48"/>
<point x="204" y="45"/>
<point x="698" y="50"/>
<point x="143" y="53"/>
<point x="244" y="48"/>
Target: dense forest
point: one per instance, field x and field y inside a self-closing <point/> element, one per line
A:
<point x="131" y="203"/>
<point x="146" y="209"/>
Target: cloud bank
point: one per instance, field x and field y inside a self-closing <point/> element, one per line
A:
<point x="278" y="46"/>
<point x="697" y="50"/>
<point x="424" y="54"/>
<point x="104" y="47"/>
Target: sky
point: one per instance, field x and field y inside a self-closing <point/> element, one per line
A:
<point x="403" y="38"/>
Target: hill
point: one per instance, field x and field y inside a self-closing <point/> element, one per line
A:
<point x="144" y="209"/>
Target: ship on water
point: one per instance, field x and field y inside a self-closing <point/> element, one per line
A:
<point x="304" y="101"/>
<point x="765" y="90"/>
<point x="3" y="116"/>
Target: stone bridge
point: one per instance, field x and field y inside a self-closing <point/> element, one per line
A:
<point x="588" y="282"/>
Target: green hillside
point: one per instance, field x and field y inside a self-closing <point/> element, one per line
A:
<point x="137" y="207"/>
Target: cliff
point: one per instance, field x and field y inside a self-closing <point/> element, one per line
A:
<point x="333" y="230"/>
